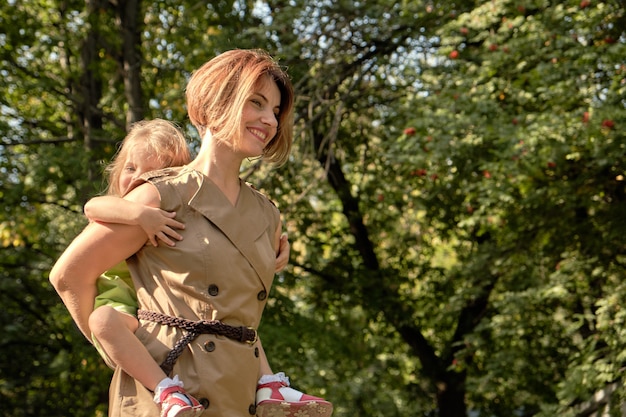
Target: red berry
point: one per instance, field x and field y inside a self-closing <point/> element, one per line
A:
<point x="409" y="131"/>
<point x="454" y="54"/>
<point x="608" y="123"/>
<point x="584" y="3"/>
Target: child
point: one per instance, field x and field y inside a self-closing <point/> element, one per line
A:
<point x="152" y="145"/>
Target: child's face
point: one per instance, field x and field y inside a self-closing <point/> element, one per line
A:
<point x="138" y="162"/>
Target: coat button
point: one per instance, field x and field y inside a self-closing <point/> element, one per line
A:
<point x="213" y="290"/>
<point x="209" y="347"/>
<point x="252" y="409"/>
<point x="205" y="402"/>
<point x="256" y="352"/>
<point x="262" y="295"/>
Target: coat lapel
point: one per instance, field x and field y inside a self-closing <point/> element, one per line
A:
<point x="241" y="224"/>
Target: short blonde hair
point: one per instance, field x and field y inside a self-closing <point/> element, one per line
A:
<point x="218" y="90"/>
<point x="158" y="137"/>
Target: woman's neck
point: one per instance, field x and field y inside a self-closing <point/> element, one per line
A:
<point x="222" y="166"/>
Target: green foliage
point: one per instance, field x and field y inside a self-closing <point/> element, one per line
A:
<point x="454" y="200"/>
<point x="520" y="148"/>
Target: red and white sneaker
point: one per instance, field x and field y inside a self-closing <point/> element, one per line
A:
<point x="175" y="402"/>
<point x="277" y="399"/>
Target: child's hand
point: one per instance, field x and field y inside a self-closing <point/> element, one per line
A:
<point x="282" y="258"/>
<point x="160" y="224"/>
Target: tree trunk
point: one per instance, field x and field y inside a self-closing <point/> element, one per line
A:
<point x="129" y="13"/>
<point x="451" y="395"/>
<point x="90" y="87"/>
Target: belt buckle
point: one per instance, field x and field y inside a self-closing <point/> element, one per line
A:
<point x="256" y="336"/>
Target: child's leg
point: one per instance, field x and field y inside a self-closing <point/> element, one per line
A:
<point x="264" y="365"/>
<point x="274" y="396"/>
<point x="115" y="331"/>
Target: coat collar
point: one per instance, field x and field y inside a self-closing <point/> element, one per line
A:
<point x="241" y="223"/>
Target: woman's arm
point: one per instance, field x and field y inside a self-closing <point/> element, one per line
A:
<point x="99" y="247"/>
<point x="155" y="222"/>
<point x="282" y="257"/>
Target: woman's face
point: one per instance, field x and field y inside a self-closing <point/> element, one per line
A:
<point x="259" y="122"/>
<point x="138" y="162"/>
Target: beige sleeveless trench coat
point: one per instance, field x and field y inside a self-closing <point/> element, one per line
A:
<point x="223" y="269"/>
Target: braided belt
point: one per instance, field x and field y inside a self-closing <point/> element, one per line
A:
<point x="194" y="329"/>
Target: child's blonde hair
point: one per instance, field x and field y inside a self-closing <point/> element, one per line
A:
<point x="158" y="137"/>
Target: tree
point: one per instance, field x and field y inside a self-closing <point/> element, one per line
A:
<point x="48" y="130"/>
<point x="454" y="200"/>
<point x="533" y="95"/>
<point x="499" y="182"/>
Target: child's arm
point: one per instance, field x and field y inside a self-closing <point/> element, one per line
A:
<point x="155" y="222"/>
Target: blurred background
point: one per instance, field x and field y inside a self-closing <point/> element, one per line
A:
<point x="455" y="199"/>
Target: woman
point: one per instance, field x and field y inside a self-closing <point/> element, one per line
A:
<point x="202" y="299"/>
